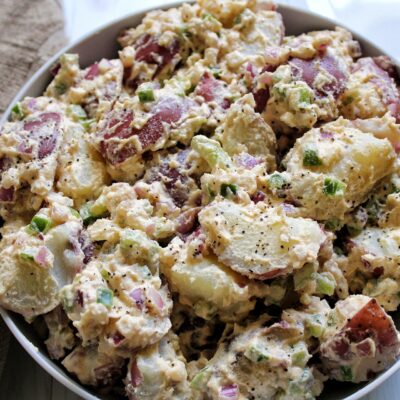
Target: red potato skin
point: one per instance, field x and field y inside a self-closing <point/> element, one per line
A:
<point x="372" y="320"/>
<point x="352" y="343"/>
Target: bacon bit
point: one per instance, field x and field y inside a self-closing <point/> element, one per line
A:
<point x="137" y="295"/>
<point x="7" y="194"/>
<point x="92" y="72"/>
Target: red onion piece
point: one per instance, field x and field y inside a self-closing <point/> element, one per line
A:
<point x="230" y="392"/>
<point x="138" y="297"/>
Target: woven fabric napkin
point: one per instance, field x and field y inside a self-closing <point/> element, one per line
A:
<point x="30" y="32"/>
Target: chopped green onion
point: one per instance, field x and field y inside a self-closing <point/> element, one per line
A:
<point x="276" y="181"/>
<point x="333" y="224"/>
<point x="145" y="94"/>
<point x="305" y="96"/>
<point x="348" y="100"/>
<point x="311" y="159"/>
<point x="105" y="297"/>
<point x="227" y="188"/>
<point x="333" y="187"/>
<point x="60" y="88"/>
<point x="17" y="110"/>
<point x="40" y="223"/>
<point x="347" y="373"/>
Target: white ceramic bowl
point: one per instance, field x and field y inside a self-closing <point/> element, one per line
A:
<point x="102" y="43"/>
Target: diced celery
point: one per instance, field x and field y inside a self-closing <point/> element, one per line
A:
<point x="145" y="94"/>
<point x="216" y="72"/>
<point x="76" y="112"/>
<point x="211" y="151"/>
<point x="105" y="274"/>
<point x="209" y="17"/>
<point x="300" y="355"/>
<point x="131" y="240"/>
<point x="75" y="213"/>
<point x="333" y="187"/>
<point x="303" y="275"/>
<point x="227" y="189"/>
<point x="315" y="325"/>
<point x="87" y="123"/>
<point x="347" y="373"/>
<point x="91" y="211"/>
<point x="105" y="297"/>
<point x="325" y="284"/>
<point x="311" y="159"/>
<point x="98" y="209"/>
<point x="276" y="181"/>
<point x="40" y="223"/>
<point x="256" y="353"/>
<point x="28" y="254"/>
<point x="200" y="379"/>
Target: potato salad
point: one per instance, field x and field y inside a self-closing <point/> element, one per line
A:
<point x="214" y="214"/>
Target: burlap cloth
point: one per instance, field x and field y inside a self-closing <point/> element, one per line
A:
<point x="30" y="32"/>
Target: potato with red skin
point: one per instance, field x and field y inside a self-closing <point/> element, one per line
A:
<point x="360" y="340"/>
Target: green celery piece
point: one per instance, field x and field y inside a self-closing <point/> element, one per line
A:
<point x="212" y="152"/>
<point x="325" y="285"/>
<point x="76" y="112"/>
<point x="333" y="187"/>
<point x="227" y="188"/>
<point x="311" y="159"/>
<point x="347" y="373"/>
<point x="40" y="223"/>
<point x="276" y="181"/>
<point x="145" y="94"/>
<point x="105" y="297"/>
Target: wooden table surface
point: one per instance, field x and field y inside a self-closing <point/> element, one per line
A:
<point x="22" y="378"/>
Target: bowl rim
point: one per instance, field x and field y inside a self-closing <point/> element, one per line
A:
<point x="43" y="360"/>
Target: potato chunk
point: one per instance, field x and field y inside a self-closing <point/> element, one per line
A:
<point x="260" y="242"/>
<point x="334" y="167"/>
